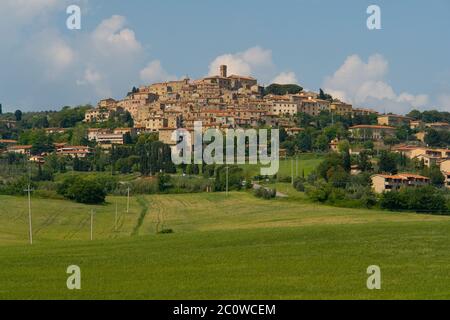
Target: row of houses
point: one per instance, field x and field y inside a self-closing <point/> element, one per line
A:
<point x="61" y="149"/>
<point x="384" y="183"/>
<point x="428" y="156"/>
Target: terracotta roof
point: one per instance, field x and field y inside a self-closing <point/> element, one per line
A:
<point x="403" y="176"/>
<point x="394" y="116"/>
<point x="233" y="76"/>
<point x="364" y="126"/>
<point x="20" y="147"/>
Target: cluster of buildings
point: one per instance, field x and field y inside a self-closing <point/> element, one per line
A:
<point x="222" y="102"/>
<point x="61" y="149"/>
<point x="384" y="182"/>
<point x="427" y="156"/>
<point x="106" y="138"/>
<point x="389" y="123"/>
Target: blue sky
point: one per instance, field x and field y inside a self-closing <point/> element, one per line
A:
<point x="317" y="43"/>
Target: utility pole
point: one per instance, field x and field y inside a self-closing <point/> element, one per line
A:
<point x="292" y="171"/>
<point x="92" y="225"/>
<point x="296" y="165"/>
<point x="128" y="200"/>
<point x="227" y="181"/>
<point x="115" y="219"/>
<point x="30" y="225"/>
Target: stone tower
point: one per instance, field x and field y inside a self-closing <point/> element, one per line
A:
<point x="223" y="71"/>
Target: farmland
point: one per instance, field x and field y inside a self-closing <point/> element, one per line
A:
<point x="236" y="247"/>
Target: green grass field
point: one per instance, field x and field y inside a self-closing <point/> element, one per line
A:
<point x="236" y="247"/>
<point x="305" y="164"/>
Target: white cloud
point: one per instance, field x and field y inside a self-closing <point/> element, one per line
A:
<point x="95" y="79"/>
<point x="24" y="10"/>
<point x="285" y="78"/>
<point x="416" y="101"/>
<point x="111" y="37"/>
<point x="154" y="72"/>
<point x="253" y="61"/>
<point x="364" y="84"/>
<point x="59" y="54"/>
<point x="49" y="54"/>
<point x="78" y="67"/>
<point x="110" y="58"/>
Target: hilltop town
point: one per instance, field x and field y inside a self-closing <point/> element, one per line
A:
<point x="135" y="134"/>
<point x="222" y="102"/>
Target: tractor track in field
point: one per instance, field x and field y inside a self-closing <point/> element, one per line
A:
<point x="51" y="218"/>
<point x="80" y="227"/>
<point x="144" y="205"/>
<point x="120" y="223"/>
<point x="160" y="216"/>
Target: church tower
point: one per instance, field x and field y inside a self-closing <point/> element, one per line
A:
<point x="223" y="71"/>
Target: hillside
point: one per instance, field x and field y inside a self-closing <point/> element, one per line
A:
<point x="225" y="248"/>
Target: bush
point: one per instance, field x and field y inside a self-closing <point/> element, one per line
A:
<point x="88" y="192"/>
<point x="285" y="179"/>
<point x="235" y="178"/>
<point x="421" y="199"/>
<point x="190" y="184"/>
<point x="265" y="193"/>
<point x="48" y="194"/>
<point x="140" y="186"/>
<point x="16" y="186"/>
<point x="299" y="184"/>
<point x="319" y="192"/>
<point x="163" y="182"/>
<point x="166" y="231"/>
<point x="82" y="190"/>
<point x="166" y="184"/>
<point x="354" y="196"/>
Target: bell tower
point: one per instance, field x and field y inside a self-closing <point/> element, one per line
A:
<point x="223" y="71"/>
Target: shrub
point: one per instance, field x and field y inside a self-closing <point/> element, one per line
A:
<point x="48" y="194"/>
<point x="16" y="186"/>
<point x="190" y="184"/>
<point x="235" y="178"/>
<point x="285" y="179"/>
<point x="299" y="184"/>
<point x="82" y="190"/>
<point x="319" y="192"/>
<point x="163" y="182"/>
<point x="265" y="193"/>
<point x="421" y="199"/>
<point x="166" y="231"/>
<point x="88" y="192"/>
<point x="140" y="186"/>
